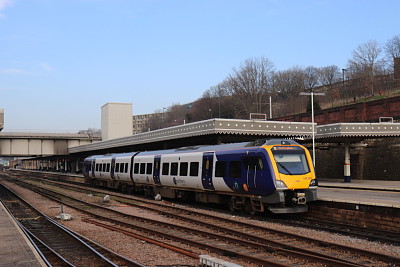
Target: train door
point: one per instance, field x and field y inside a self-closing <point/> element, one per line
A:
<point x="206" y="175"/>
<point x="93" y="167"/>
<point x="253" y="166"/>
<point x="156" y="170"/>
<point x="113" y="168"/>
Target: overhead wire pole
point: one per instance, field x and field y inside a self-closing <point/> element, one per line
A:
<point x="312" y="120"/>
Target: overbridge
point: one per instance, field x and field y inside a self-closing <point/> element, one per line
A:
<point x="16" y="144"/>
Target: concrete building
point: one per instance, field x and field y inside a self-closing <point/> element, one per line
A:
<point x="1" y="119"/>
<point x="116" y="120"/>
<point x="140" y="122"/>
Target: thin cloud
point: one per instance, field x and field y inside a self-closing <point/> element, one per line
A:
<point x="3" y="5"/>
<point x="12" y="71"/>
<point x="46" y="66"/>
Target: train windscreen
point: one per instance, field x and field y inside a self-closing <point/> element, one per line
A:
<point x="290" y="160"/>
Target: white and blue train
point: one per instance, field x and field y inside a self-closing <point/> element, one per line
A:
<point x="275" y="175"/>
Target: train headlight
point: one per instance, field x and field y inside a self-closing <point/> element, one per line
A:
<point x="280" y="184"/>
<point x="313" y="183"/>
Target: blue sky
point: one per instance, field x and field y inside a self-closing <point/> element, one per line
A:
<point x="61" y="60"/>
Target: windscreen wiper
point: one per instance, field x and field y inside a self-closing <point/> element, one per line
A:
<point x="283" y="167"/>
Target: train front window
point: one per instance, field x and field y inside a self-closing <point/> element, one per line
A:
<point x="291" y="161"/>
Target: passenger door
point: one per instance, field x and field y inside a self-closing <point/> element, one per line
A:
<point x="93" y="168"/>
<point x="112" y="168"/>
<point x="156" y="170"/>
<point x="253" y="167"/>
<point x="207" y="170"/>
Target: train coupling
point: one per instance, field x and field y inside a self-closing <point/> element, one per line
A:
<point x="299" y="198"/>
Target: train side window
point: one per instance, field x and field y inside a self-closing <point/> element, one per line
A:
<point x="235" y="169"/>
<point x="149" y="169"/>
<point x="122" y="167"/>
<point x="116" y="167"/>
<point x="253" y="163"/>
<point x="136" y="169"/>
<point x="165" y="168"/>
<point x="174" y="168"/>
<point x="183" y="171"/>
<point x="108" y="167"/>
<point x="126" y="167"/>
<point x="97" y="167"/>
<point x="104" y="168"/>
<point x="194" y="169"/>
<point x="142" y="168"/>
<point x="220" y="169"/>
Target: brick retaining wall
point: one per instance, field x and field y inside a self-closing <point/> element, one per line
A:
<point x="360" y="112"/>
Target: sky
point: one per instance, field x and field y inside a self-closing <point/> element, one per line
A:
<point x="62" y="60"/>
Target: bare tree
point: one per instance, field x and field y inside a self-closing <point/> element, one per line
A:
<point x="392" y="47"/>
<point x="329" y="75"/>
<point x="90" y="132"/>
<point x="250" y="85"/>
<point x="289" y="82"/>
<point x="176" y="114"/>
<point x="311" y="77"/>
<point x="366" y="61"/>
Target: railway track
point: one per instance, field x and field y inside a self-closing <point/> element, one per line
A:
<point x="370" y="234"/>
<point x="58" y="245"/>
<point x="279" y="247"/>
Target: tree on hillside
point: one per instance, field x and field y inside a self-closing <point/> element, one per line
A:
<point x="366" y="62"/>
<point x="329" y="75"/>
<point x="250" y="85"/>
<point x="392" y="47"/>
<point x="311" y="77"/>
<point x="203" y="107"/>
<point x="289" y="82"/>
<point x="175" y="115"/>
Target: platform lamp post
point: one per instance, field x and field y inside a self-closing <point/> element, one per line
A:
<point x="312" y="120"/>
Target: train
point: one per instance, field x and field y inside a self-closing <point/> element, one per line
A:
<point x="275" y="175"/>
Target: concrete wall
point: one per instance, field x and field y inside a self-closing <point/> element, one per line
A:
<point x="116" y="120"/>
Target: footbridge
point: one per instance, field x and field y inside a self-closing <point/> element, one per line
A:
<point x="16" y="144"/>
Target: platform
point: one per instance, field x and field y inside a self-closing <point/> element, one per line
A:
<point x="366" y="192"/>
<point x="15" y="247"/>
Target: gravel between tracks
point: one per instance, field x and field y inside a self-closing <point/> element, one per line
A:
<point x="151" y="255"/>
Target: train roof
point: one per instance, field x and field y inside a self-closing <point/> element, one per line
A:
<point x="230" y="146"/>
<point x="204" y="148"/>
